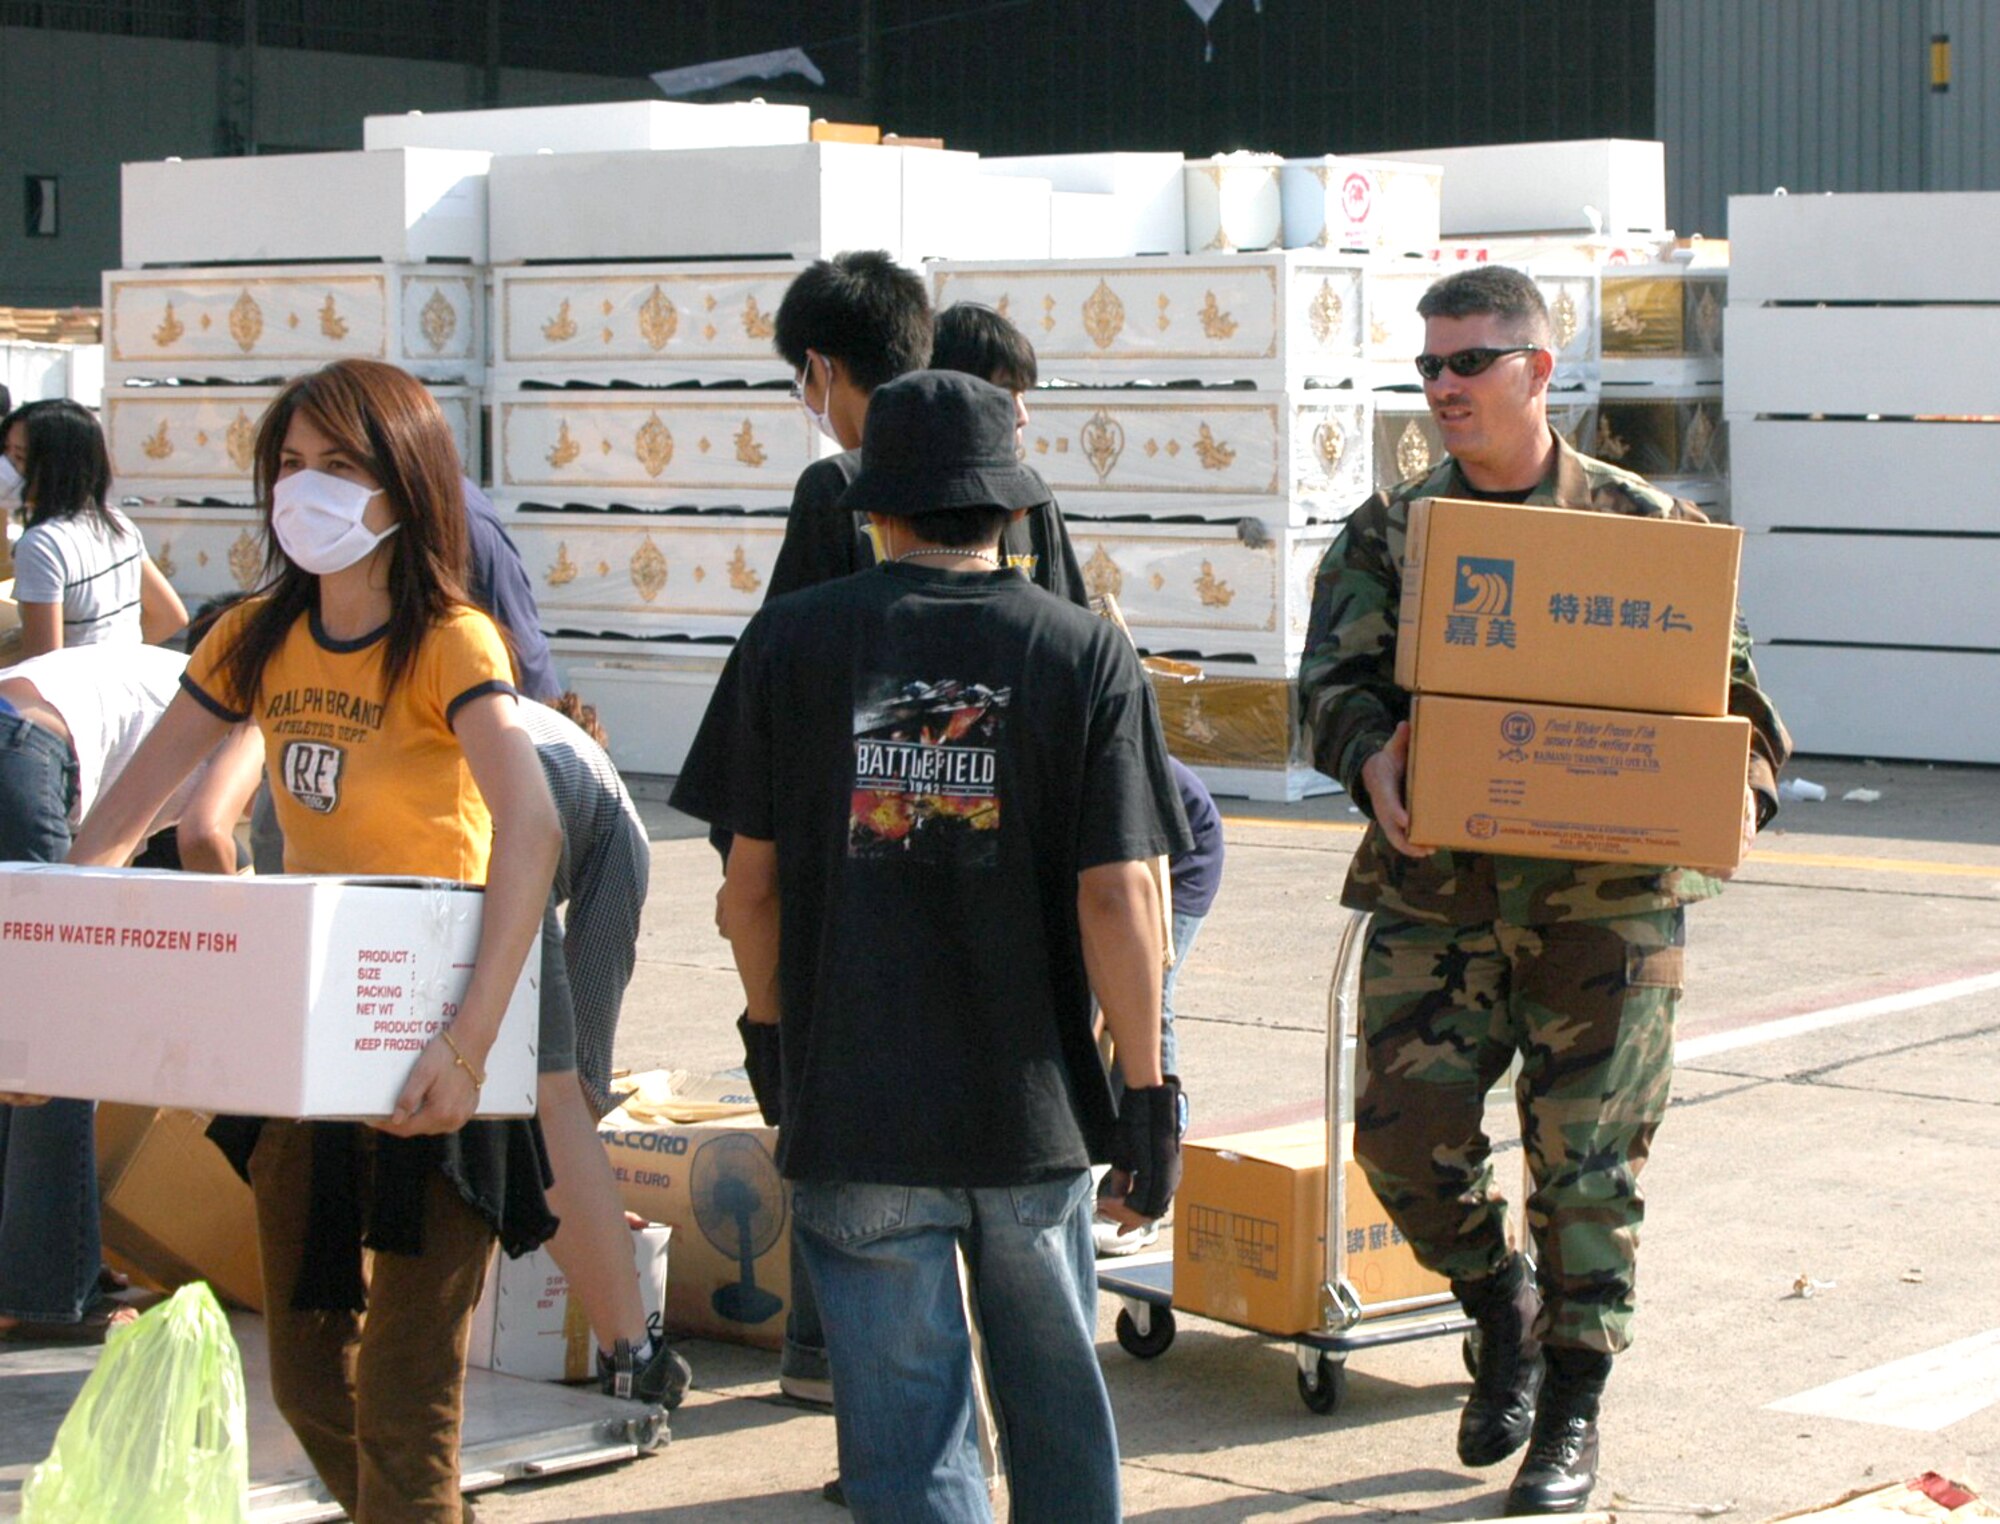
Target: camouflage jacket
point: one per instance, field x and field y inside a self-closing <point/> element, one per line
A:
<point x="1351" y="705"/>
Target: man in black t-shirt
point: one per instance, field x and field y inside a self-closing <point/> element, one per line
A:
<point x="945" y="788"/>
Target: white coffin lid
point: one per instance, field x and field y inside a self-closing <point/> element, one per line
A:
<point x="1145" y="211"/>
<point x="1544" y="187"/>
<point x="598" y="127"/>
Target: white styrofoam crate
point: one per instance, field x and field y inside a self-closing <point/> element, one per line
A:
<point x="1886" y="701"/>
<point x="804" y="201"/>
<point x="1883" y="589"/>
<point x="635" y="573"/>
<point x="703" y="447"/>
<point x="1371" y="205"/>
<point x="394" y="205"/>
<point x="1409" y="443"/>
<point x="1108" y="205"/>
<point x="1233" y="202"/>
<point x="1207" y="588"/>
<point x="650" y="324"/>
<point x="1544" y="187"/>
<point x="1394" y="335"/>
<point x="650" y="696"/>
<point x="1296" y="457"/>
<point x="595" y="127"/>
<point x="1278" y="320"/>
<point x="952" y="211"/>
<point x="1858" y="361"/>
<point x="200" y="441"/>
<point x="1865" y="248"/>
<point x="1822" y="474"/>
<point x="251" y="323"/>
<point x="204" y="552"/>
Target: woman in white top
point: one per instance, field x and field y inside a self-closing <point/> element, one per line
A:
<point x="81" y="572"/>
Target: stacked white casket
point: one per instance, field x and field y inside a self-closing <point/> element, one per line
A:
<point x="1199" y="425"/>
<point x="242" y="273"/>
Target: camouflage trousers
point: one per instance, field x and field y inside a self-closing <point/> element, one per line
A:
<point x="1589" y="1008"/>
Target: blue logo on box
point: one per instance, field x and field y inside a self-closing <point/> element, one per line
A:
<point x="1518" y="727"/>
<point x="1484" y="585"/>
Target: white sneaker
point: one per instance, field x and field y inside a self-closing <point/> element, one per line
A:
<point x="1112" y="1241"/>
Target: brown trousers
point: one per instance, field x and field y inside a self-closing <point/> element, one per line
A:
<point x="375" y="1398"/>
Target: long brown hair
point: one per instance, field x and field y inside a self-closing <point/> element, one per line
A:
<point x="388" y="423"/>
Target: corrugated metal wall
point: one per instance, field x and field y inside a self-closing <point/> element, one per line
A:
<point x="1821" y="95"/>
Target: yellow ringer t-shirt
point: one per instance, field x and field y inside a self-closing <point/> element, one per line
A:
<point x="360" y="785"/>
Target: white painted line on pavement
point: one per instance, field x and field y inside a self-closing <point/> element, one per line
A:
<point x="1695" y="1048"/>
<point x="1925" y="1392"/>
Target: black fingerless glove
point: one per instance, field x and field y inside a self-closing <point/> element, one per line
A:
<point x="766" y="1070"/>
<point x="1147" y="1145"/>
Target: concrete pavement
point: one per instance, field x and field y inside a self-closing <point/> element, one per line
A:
<point x="1860" y="1153"/>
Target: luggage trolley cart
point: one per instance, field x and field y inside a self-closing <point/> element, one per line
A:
<point x="1144" y="1284"/>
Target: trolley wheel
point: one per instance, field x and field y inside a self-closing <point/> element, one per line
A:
<point x="1324" y="1385"/>
<point x="1468" y="1351"/>
<point x="1151" y="1344"/>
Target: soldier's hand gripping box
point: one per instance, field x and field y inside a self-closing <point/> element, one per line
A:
<point x="1558" y="606"/>
<point x="1250" y="1233"/>
<point x="275" y="997"/>
<point x="1592" y="785"/>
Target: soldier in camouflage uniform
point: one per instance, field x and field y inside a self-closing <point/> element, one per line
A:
<point x="1473" y="958"/>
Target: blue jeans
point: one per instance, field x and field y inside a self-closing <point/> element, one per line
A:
<point x="1186" y="929"/>
<point x="49" y="1248"/>
<point x="884" y="1260"/>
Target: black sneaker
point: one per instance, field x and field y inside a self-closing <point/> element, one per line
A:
<point x="662" y="1381"/>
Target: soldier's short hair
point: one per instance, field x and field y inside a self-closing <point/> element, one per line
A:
<point x="1499" y="290"/>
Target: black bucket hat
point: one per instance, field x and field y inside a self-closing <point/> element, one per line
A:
<point x="936" y="440"/>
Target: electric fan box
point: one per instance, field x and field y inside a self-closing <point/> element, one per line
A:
<point x="277" y="997"/>
<point x="716" y="1184"/>
<point x="1559" y="606"/>
<point x="528" y="1325"/>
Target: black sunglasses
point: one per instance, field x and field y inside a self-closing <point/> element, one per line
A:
<point x="1467" y="362"/>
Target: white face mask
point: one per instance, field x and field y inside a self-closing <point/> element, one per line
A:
<point x="317" y="519"/>
<point x="10" y="480"/>
<point x="822" y="421"/>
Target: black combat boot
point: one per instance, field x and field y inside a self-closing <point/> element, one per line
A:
<point x="1560" y="1467"/>
<point x="1509" y="1368"/>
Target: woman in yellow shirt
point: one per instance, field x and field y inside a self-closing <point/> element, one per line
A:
<point x="387" y="709"/>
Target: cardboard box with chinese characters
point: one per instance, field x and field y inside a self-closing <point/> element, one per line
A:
<point x="528" y="1325"/>
<point x="1594" y="785"/>
<point x="716" y="1184"/>
<point x="272" y="997"/>
<point x="1557" y="606"/>
<point x="1250" y="1233"/>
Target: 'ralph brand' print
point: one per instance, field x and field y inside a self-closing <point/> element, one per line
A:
<point x="926" y="767"/>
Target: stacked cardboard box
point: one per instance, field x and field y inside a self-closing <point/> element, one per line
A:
<point x="1571" y="673"/>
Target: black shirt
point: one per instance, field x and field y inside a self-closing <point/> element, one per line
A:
<point x="937" y="756"/>
<point x="824" y="541"/>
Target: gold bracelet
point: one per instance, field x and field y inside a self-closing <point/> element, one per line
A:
<point x="478" y="1079"/>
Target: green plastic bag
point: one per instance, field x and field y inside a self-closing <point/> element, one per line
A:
<point x="159" y="1433"/>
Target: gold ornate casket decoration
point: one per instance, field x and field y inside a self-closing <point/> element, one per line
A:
<point x="649" y="569"/>
<point x="439" y="320"/>
<point x="165" y="560"/>
<point x="331" y="323"/>
<point x="566" y="448"/>
<point x="1216" y="323"/>
<point x="748" y="450"/>
<point x="170" y="330"/>
<point x="240" y="440"/>
<point x="1608" y="446"/>
<point x="1101" y="574"/>
<point x="1708" y="318"/>
<point x="1103" y="441"/>
<point x="1212" y="590"/>
<point x="246" y="321"/>
<point x="1700" y="441"/>
<point x="246" y="560"/>
<point x="654" y="445"/>
<point x="1323" y="313"/>
<point x="564" y="571"/>
<point x="561" y="328"/>
<point x="1214" y="454"/>
<point x="157" y="445"/>
<point x="1103" y="316"/>
<point x="1563" y="314"/>
<point x="759" y="324"/>
<point x="1329" y="444"/>
<point x="1163" y="320"/>
<point x="658" y="321"/>
<point x="742" y="575"/>
<point x="1413" y="451"/>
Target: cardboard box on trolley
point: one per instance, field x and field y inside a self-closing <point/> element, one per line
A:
<point x="716" y="1184"/>
<point x="277" y="997"/>
<point x="1553" y="605"/>
<point x="1250" y="1233"/>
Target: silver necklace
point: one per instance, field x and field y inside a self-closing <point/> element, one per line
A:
<point x="990" y="557"/>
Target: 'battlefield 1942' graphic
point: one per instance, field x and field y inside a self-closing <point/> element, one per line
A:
<point x="925" y="772"/>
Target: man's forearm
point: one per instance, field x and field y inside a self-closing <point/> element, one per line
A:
<point x="753" y="940"/>
<point x="1118" y="914"/>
